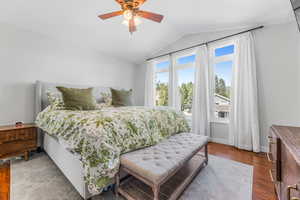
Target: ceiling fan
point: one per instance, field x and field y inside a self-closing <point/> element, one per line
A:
<point x="132" y="14"/>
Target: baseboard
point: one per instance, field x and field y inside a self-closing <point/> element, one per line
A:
<point x="219" y="140"/>
<point x="264" y="149"/>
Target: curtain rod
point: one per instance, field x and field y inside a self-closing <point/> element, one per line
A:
<point x="259" y="27"/>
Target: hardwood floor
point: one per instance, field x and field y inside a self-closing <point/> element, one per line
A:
<point x="4" y="181"/>
<point x="262" y="186"/>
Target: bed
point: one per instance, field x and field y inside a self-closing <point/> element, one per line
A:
<point x="66" y="161"/>
<point x="105" y="134"/>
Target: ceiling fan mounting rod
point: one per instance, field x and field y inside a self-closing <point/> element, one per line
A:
<point x="130" y="4"/>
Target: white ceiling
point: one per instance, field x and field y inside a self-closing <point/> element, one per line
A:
<point x="76" y="21"/>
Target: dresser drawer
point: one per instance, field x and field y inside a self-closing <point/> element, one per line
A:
<point x="290" y="175"/>
<point x="19" y="135"/>
<point x="274" y="156"/>
<point x="16" y="147"/>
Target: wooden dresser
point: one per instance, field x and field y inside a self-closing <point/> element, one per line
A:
<point x="16" y="141"/>
<point x="284" y="144"/>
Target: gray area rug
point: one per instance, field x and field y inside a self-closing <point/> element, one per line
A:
<point x="40" y="179"/>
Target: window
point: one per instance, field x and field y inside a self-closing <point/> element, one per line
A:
<point x="162" y="83"/>
<point x="222" y="61"/>
<point x="185" y="71"/>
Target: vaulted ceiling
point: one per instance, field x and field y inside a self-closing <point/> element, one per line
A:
<point x="76" y="21"/>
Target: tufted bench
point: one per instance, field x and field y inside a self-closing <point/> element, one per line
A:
<point x="157" y="164"/>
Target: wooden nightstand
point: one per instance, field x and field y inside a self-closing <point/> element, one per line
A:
<point x="15" y="141"/>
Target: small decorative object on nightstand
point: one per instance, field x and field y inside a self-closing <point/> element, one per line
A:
<point x="17" y="140"/>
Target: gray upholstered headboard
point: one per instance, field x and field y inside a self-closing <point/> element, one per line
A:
<point x="43" y="87"/>
<point x="41" y="100"/>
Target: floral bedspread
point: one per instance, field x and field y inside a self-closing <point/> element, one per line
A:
<point x="101" y="136"/>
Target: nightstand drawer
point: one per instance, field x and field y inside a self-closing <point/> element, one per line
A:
<point x="20" y="135"/>
<point x="16" y="147"/>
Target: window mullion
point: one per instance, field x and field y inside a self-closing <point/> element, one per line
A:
<point x="223" y="58"/>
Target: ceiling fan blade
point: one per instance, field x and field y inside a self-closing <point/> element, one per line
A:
<point x="112" y="14"/>
<point x="151" y="16"/>
<point x="132" y="27"/>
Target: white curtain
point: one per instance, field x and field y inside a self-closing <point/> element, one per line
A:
<point x="174" y="93"/>
<point x="244" y="126"/>
<point x="200" y="109"/>
<point x="149" y="84"/>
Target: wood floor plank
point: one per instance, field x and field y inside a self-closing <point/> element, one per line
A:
<point x="4" y="181"/>
<point x="263" y="188"/>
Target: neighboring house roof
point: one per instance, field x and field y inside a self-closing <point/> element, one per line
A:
<point x="223" y="107"/>
<point x="222" y="97"/>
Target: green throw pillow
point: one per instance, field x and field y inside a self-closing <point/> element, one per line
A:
<point x="78" y="99"/>
<point x="121" y="97"/>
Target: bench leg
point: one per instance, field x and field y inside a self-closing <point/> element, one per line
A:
<point x="206" y="153"/>
<point x="117" y="185"/>
<point x="26" y="155"/>
<point x="156" y="189"/>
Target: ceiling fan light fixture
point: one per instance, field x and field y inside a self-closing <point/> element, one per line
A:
<point x="137" y="21"/>
<point x="128" y="14"/>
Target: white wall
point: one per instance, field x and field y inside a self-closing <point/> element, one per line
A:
<point x="278" y="68"/>
<point x="277" y="53"/>
<point x="140" y="84"/>
<point x="26" y="57"/>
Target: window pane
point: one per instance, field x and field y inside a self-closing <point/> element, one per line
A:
<point x="162" y="65"/>
<point x="186" y="59"/>
<point x="162" y="85"/>
<point x="223" y="77"/>
<point x="224" y="50"/>
<point x="186" y="78"/>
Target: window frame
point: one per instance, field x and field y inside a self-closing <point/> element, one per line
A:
<point x="177" y="66"/>
<point x="213" y="61"/>
<point x="164" y="70"/>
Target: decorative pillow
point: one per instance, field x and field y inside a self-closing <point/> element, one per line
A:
<point x="78" y="99"/>
<point x="55" y="100"/>
<point x="121" y="97"/>
<point x="107" y="98"/>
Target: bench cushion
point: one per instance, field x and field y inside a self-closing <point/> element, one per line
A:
<point x="155" y="163"/>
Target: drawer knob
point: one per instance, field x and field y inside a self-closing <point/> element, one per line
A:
<point x="289" y="189"/>
<point x="270" y="140"/>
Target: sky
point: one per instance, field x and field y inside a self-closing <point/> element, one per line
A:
<point x="222" y="70"/>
